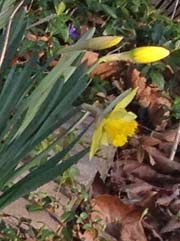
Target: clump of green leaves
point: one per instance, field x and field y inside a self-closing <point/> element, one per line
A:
<point x="9" y="233"/>
<point x="78" y="216"/>
<point x="33" y="106"/>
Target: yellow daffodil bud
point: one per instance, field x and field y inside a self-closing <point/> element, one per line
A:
<point x="148" y="54"/>
<point x="141" y="55"/>
<point x="97" y="43"/>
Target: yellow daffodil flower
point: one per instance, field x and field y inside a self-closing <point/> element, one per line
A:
<point x="116" y="127"/>
<point x="140" y="55"/>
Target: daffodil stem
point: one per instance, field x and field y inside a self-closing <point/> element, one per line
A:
<point x="110" y="107"/>
<point x="124" y="56"/>
<point x="90" y="108"/>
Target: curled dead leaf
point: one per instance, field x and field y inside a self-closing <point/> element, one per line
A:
<point x="90" y="58"/>
<point x="168" y="135"/>
<point x="172" y="225"/>
<point x="163" y="163"/>
<point x="107" y="70"/>
<point x="112" y="212"/>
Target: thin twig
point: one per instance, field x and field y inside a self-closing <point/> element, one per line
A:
<point x="175" y="8"/>
<point x="30" y="5"/>
<point x="175" y="145"/>
<point x="115" y="50"/>
<point x="3" y="53"/>
<point x="41" y="21"/>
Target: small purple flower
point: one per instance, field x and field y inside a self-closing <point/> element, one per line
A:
<point x="73" y="33"/>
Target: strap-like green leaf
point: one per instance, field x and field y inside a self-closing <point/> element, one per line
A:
<point x="37" y="178"/>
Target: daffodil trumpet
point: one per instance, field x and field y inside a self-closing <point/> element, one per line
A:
<point x="115" y="125"/>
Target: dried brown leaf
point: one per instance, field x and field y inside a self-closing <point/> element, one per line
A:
<point x="150" y="97"/>
<point x="107" y="70"/>
<point x="168" y="135"/>
<point x="140" y="154"/>
<point x="162" y="163"/>
<point x="172" y="225"/>
<point x="132" y="229"/>
<point x="111" y="210"/>
<point x="98" y="186"/>
<point x="150" y="141"/>
<point x="90" y="58"/>
<point x="146" y="173"/>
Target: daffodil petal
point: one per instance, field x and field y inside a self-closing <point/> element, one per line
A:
<point x="125" y="101"/>
<point x="104" y="139"/>
<point x="122" y="114"/>
<point x="96" y="139"/>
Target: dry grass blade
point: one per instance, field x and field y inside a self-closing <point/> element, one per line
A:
<point x="3" y="53"/>
<point x="176" y="143"/>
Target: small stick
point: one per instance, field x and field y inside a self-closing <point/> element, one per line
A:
<point x="116" y="50"/>
<point x="3" y="53"/>
<point x="175" y="8"/>
<point x="175" y="145"/>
